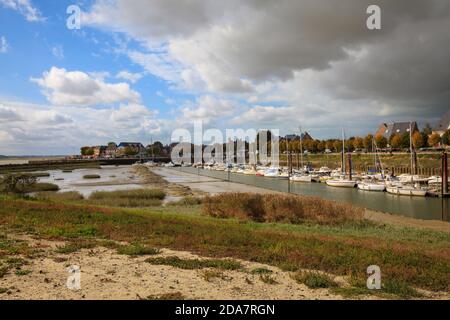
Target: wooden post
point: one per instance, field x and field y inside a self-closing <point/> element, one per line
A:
<point x="444" y="174"/>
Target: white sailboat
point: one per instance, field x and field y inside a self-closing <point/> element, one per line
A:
<point x="342" y="182"/>
<point x="371" y="186"/>
<point x="404" y="190"/>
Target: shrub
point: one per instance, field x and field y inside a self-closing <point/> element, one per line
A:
<point x="60" y="196"/>
<point x="280" y="208"/>
<point x="314" y="279"/>
<point x="128" y="198"/>
<point x="191" y="264"/>
<point x="187" y="201"/>
<point x="137" y="250"/>
<point x="37" y="187"/>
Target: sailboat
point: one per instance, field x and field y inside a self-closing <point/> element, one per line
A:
<point x="413" y="190"/>
<point x="372" y="184"/>
<point x="343" y="182"/>
<point x="301" y="176"/>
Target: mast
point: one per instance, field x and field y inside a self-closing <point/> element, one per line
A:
<point x="343" y="151"/>
<point x="411" y="151"/>
<point x="301" y="148"/>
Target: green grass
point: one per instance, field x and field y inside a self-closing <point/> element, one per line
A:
<point x="418" y="258"/>
<point x="22" y="272"/>
<point x="76" y="246"/>
<point x="128" y="198"/>
<point x="314" y="279"/>
<point x="137" y="250"/>
<point x="261" y="271"/>
<point x="192" y="264"/>
<point x="388" y="160"/>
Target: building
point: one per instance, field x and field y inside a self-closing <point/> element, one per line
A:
<point x="387" y="130"/>
<point x="305" y="137"/>
<point x="131" y="149"/>
<point x="99" y="151"/>
<point x="111" y="150"/>
<point x="443" y="125"/>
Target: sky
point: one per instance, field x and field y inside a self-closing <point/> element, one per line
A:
<point x="136" y="70"/>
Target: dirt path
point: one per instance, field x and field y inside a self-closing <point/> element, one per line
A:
<point x="108" y="275"/>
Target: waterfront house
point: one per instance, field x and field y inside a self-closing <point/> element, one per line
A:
<point x="387" y="130"/>
<point x="443" y="125"/>
<point x="305" y="137"/>
<point x="130" y="149"/>
<point x="111" y="150"/>
<point x="99" y="151"/>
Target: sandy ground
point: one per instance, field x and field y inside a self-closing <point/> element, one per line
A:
<point x="214" y="186"/>
<point x="108" y="275"/>
<point x="206" y="184"/>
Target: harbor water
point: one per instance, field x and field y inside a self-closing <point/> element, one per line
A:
<point x="427" y="208"/>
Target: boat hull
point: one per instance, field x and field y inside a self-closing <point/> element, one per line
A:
<point x="341" y="183"/>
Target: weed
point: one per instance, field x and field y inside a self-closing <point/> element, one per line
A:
<point x="314" y="279"/>
<point x="267" y="278"/>
<point x="137" y="250"/>
<point x="167" y="296"/>
<point x="191" y="264"/>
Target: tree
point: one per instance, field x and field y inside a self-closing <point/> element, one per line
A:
<point x="87" y="151"/>
<point x="321" y="146"/>
<point x="446" y="138"/>
<point x="427" y="130"/>
<point x="368" y="142"/>
<point x="381" y="141"/>
<point x="337" y="145"/>
<point x="358" y="143"/>
<point x="130" y="151"/>
<point x="396" y="141"/>
<point x="434" y="140"/>
<point x="418" y="140"/>
<point x="330" y="144"/>
<point x="405" y="140"/>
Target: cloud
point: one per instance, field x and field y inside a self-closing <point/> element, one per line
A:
<point x="8" y="114"/>
<point x="129" y="76"/>
<point x="208" y="109"/>
<point x="298" y="52"/>
<point x="45" y="129"/>
<point x="62" y="87"/>
<point x="3" y="45"/>
<point x="25" y="8"/>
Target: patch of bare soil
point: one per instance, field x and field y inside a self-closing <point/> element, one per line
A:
<point x="106" y="274"/>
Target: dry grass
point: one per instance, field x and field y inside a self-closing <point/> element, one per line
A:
<point x="128" y="198"/>
<point x="60" y="196"/>
<point x="280" y="208"/>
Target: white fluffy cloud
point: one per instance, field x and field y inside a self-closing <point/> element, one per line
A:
<point x="41" y="129"/>
<point x="208" y="109"/>
<point x="25" y="8"/>
<point x="62" y="87"/>
<point x="129" y="76"/>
